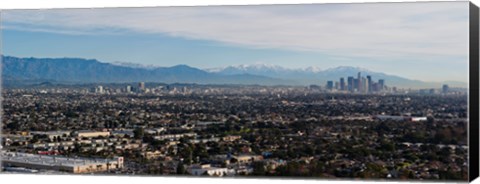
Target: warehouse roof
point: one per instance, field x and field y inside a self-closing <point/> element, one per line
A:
<point x="50" y="160"/>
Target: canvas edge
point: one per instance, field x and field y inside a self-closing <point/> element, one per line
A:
<point x="1" y="82"/>
<point x="473" y="127"/>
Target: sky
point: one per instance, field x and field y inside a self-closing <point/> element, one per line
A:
<point x="423" y="41"/>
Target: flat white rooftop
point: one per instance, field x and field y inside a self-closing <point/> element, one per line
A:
<point x="50" y="160"/>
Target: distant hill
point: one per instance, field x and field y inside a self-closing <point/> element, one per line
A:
<point x="18" y="71"/>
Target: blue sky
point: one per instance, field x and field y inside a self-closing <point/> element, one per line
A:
<point x="425" y="41"/>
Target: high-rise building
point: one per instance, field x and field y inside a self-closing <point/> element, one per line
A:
<point x="329" y="85"/>
<point x="99" y="89"/>
<point x="350" y="84"/>
<point x="375" y="87"/>
<point x="369" y="81"/>
<point x="355" y="84"/>
<point x="337" y="85"/>
<point x="364" y="85"/>
<point x="141" y="86"/>
<point x="359" y="84"/>
<point x="128" y="89"/>
<point x="342" y="84"/>
<point x="184" y="90"/>
<point x="381" y="84"/>
<point x="445" y="88"/>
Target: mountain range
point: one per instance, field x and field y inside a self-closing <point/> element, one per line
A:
<point x="17" y="71"/>
<point x="315" y="75"/>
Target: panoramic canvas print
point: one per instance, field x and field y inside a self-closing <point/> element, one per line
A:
<point x="322" y="91"/>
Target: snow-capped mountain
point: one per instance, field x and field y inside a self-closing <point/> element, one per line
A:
<point x="304" y="75"/>
<point x="134" y="65"/>
<point x="268" y="69"/>
<point x="251" y="69"/>
<point x="313" y="69"/>
<point x="346" y="69"/>
<point x="315" y="75"/>
<point x="282" y="72"/>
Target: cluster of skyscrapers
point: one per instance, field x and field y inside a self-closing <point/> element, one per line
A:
<point x="140" y="89"/>
<point x="359" y="84"/>
<point x="128" y="89"/>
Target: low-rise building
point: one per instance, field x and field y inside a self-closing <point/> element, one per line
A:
<point x="174" y="136"/>
<point x="59" y="163"/>
<point x="207" y="169"/>
<point x="123" y="133"/>
<point x="153" y="154"/>
<point x="52" y="134"/>
<point x="243" y="159"/>
<point x="230" y="138"/>
<point x="90" y="134"/>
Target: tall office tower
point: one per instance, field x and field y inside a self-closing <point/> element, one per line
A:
<point x="364" y="85"/>
<point x="355" y="84"/>
<point x="129" y="89"/>
<point x="99" y="89"/>
<point x="337" y="85"/>
<point x="342" y="84"/>
<point x="329" y="85"/>
<point x="359" y="85"/>
<point x="141" y="86"/>
<point x="374" y="87"/>
<point x="369" y="86"/>
<point x="350" y="84"/>
<point x="381" y="84"/>
<point x="445" y="88"/>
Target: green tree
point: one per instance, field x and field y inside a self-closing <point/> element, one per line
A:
<point x="181" y="169"/>
<point x="258" y="169"/>
<point x="138" y="133"/>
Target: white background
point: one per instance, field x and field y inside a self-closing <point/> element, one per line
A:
<point x="85" y="179"/>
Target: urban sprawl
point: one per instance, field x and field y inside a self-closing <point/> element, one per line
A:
<point x="354" y="128"/>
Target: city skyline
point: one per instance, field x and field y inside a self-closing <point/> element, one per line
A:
<point x="415" y="35"/>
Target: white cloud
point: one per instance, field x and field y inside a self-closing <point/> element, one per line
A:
<point x="376" y="30"/>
